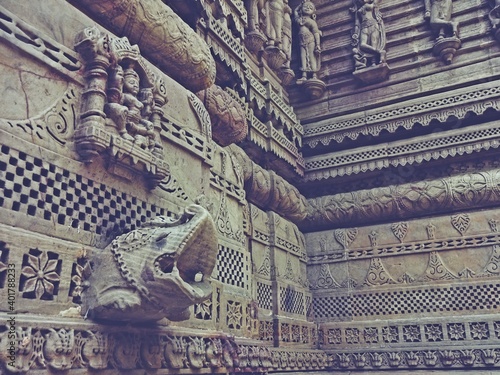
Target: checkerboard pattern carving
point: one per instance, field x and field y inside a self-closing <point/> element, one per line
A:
<point x="233" y="267"/>
<point x="265" y="296"/>
<point x="432" y="300"/>
<point x="292" y="301"/>
<point x="48" y="192"/>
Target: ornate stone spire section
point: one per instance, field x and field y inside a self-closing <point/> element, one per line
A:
<point x="162" y="36"/>
<point x="310" y="49"/>
<point x="368" y="41"/>
<point x="121" y="108"/>
<point x="156" y="271"/>
<point x="438" y="12"/>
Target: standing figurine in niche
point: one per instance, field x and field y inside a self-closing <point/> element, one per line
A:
<point x="287" y="33"/>
<point x="275" y="24"/>
<point x="129" y="107"/>
<point x="494" y="16"/>
<point x="309" y="39"/>
<point x="438" y="12"/>
<point x="369" y="34"/>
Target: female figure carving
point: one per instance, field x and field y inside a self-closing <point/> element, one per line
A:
<point x="369" y="34"/>
<point x="309" y="39"/>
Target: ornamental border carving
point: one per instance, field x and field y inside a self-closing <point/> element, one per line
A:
<point x="93" y="347"/>
<point x="40" y="46"/>
<point x="467" y="191"/>
<point x="422" y="111"/>
<point x="456" y="142"/>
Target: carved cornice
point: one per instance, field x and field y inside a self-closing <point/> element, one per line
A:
<point x="413" y="247"/>
<point x="431" y="343"/>
<point x="418" y="111"/>
<point x="407" y="152"/>
<point x="468" y="191"/>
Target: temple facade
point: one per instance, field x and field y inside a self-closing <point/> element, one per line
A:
<point x="249" y="187"/>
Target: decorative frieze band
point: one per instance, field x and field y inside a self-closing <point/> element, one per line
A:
<point x="468" y="191"/>
<point x="40" y="46"/>
<point x="400" y="153"/>
<point x="418" y="111"/>
<point x="63" y="345"/>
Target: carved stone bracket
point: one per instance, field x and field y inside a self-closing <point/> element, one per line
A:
<point x="121" y="108"/>
<point x="156" y="271"/>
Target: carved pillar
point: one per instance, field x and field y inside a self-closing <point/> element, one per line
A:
<point x="94" y="50"/>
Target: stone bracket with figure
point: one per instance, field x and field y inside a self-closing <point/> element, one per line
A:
<point x="368" y="41"/>
<point x="121" y="108"/>
<point x="438" y="13"/>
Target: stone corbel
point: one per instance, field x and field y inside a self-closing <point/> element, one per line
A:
<point x="119" y="122"/>
<point x="156" y="271"/>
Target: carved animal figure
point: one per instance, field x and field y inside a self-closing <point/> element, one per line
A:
<point x="156" y="271"/>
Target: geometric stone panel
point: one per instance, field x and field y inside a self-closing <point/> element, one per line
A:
<point x="410" y="301"/>
<point x="43" y="190"/>
<point x="232" y="267"/>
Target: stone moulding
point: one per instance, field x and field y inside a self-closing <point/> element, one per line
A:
<point x="75" y="345"/>
<point x="227" y="115"/>
<point x="161" y="35"/>
<point x="406" y="115"/>
<point x="467" y="191"/>
<point x="267" y="189"/>
<point x="413" y="247"/>
<point x="408" y="152"/>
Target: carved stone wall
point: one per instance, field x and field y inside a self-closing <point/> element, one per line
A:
<point x="174" y="201"/>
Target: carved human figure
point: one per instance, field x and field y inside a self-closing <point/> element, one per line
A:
<point x="309" y="39"/>
<point x="370" y="34"/>
<point x="276" y="10"/>
<point x="129" y="107"/>
<point x="494" y="15"/>
<point x="438" y="12"/>
<point x="286" y="41"/>
<point x="255" y="7"/>
<point x="114" y="108"/>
